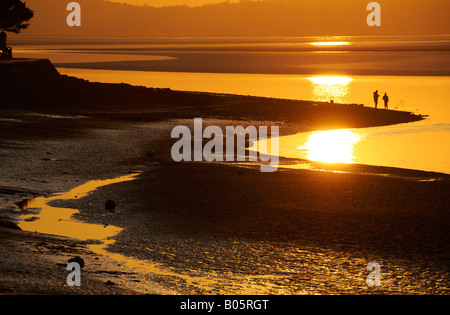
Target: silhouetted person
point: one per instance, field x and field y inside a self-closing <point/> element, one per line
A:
<point x="3" y="42"/>
<point x="5" y="51"/>
<point x="375" y="98"/>
<point x="386" y="100"/>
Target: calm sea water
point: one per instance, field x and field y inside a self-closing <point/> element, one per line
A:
<point x="413" y="71"/>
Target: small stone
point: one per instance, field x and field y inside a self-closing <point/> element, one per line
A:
<point x="78" y="260"/>
<point x="110" y="205"/>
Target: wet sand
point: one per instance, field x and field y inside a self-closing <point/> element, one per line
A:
<point x="302" y="230"/>
<point x="223" y="229"/>
<point x="35" y="264"/>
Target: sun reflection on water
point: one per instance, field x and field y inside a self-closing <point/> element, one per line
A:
<point x="326" y="88"/>
<point x="331" y="146"/>
<point x="335" y="43"/>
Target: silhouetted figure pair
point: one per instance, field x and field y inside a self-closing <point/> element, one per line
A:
<point x="6" y="52"/>
<point x="385" y="99"/>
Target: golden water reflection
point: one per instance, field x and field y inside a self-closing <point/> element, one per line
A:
<point x="330" y="88"/>
<point x="330" y="43"/>
<point x="331" y="146"/>
<point x="59" y="221"/>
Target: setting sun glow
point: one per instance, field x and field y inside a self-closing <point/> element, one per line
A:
<point x="326" y="88"/>
<point x="330" y="43"/>
<point x="330" y="80"/>
<point x="331" y="146"/>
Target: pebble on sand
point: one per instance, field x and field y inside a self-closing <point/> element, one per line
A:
<point x="110" y="205"/>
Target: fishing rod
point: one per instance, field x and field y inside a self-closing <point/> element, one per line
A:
<point x="366" y="99"/>
<point x="401" y="102"/>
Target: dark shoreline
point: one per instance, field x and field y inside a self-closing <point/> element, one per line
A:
<point x="42" y="89"/>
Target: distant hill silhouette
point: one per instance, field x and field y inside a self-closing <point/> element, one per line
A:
<point x="247" y="18"/>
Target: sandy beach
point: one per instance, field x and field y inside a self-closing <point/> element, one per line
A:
<point x="208" y="228"/>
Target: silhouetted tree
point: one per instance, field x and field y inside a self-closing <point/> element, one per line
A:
<point x="13" y="15"/>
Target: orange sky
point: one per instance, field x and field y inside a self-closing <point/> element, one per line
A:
<point x="160" y="3"/>
<point x="247" y="18"/>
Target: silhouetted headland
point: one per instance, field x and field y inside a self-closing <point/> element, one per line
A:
<point x="17" y="70"/>
<point x="35" y="85"/>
